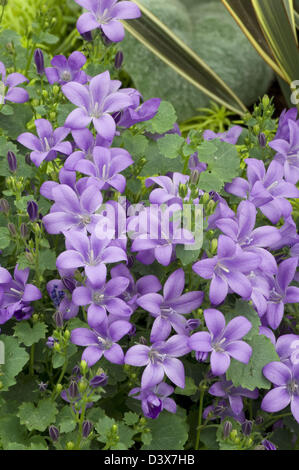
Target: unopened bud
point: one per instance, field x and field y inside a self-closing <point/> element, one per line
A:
<point x="214" y="245"/>
<point x="83" y="366"/>
<point x="32" y="209"/>
<point x="118" y="60"/>
<point x="12" y="162"/>
<point x="86" y="429"/>
<point x="227" y="429"/>
<point x="205" y="198"/>
<point x="4" y="206"/>
<point x="12" y="228"/>
<point x="58" y="318"/>
<point x="55" y="90"/>
<point x="262" y="139"/>
<point x="268" y="445"/>
<point x="183" y="190"/>
<point x="39" y="61"/>
<point x="70" y="445"/>
<point x="247" y="427"/>
<point x="73" y="389"/>
<point x="194" y="177"/>
<point x="266" y="101"/>
<point x="201" y="356"/>
<point x="27" y="159"/>
<point x="99" y="381"/>
<point x="54" y="433"/>
<point x="87" y="36"/>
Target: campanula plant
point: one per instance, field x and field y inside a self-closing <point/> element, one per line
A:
<point x="148" y="281"/>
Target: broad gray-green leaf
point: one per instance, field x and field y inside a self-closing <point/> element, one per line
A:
<point x="15" y="359"/>
<point x="169" y="432"/>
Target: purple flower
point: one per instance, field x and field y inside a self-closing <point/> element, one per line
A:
<point x="286" y="391"/>
<point x="60" y="292"/>
<point x="67" y="70"/>
<point x="85" y="141"/>
<point x="281" y="293"/>
<point x="222" y="409"/>
<point x="288" y="152"/>
<point x="90" y="253"/>
<point x="104" y="14"/>
<point x="39" y="61"/>
<point x="252" y="240"/>
<point x="17" y="295"/>
<point x="225" y="389"/>
<point x="71" y="211"/>
<point x="101" y="296"/>
<point x="136" y="112"/>
<point x="169" y="308"/>
<point x="105" y="167"/>
<point x="268" y="445"/>
<point x="8" y="87"/>
<point x="265" y="189"/>
<point x="155" y="399"/>
<point x="168" y="191"/>
<point x="227" y="270"/>
<point x="101" y="340"/>
<point x="95" y="104"/>
<point x="222" y="341"/>
<point x="231" y="136"/>
<point x="48" y="144"/>
<point x="160" y="359"/>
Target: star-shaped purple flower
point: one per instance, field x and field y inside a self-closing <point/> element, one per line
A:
<point x="8" y="87"/>
<point x="155" y="399"/>
<point x="48" y="144"/>
<point x="223" y="341"/>
<point x="105" y="14"/>
<point x="65" y="70"/>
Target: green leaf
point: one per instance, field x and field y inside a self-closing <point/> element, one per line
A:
<point x="23" y="262"/>
<point x="187" y="256"/>
<point x="15" y="359"/>
<point x="246" y="310"/>
<point x="46" y="38"/>
<point x="169" y="432"/>
<point x="131" y="418"/>
<point x="4" y="238"/>
<point x="135" y="144"/>
<point x="63" y="111"/>
<point x="11" y="431"/>
<point x="65" y="420"/>
<point x="190" y="388"/>
<point x="30" y="335"/>
<point x="47" y="260"/>
<point x="250" y="375"/>
<point x="170" y="145"/>
<point x="125" y="436"/>
<point x="7" y="110"/>
<point x="38" y="417"/>
<point x="157" y="163"/>
<point x="163" y="121"/>
<point x="208" y="437"/>
<point x="15" y="123"/>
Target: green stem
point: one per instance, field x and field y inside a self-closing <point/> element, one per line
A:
<point x="199" y="426"/>
<point x="77" y="446"/>
<point x="31" y="365"/>
<point x="63" y="371"/>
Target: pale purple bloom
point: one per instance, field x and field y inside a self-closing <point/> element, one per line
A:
<point x="144" y="285"/>
<point x="222" y="409"/>
<point x="223" y="341"/>
<point x="17" y="295"/>
<point x="65" y="70"/>
<point x="287" y="347"/>
<point x="154" y="399"/>
<point x="137" y="111"/>
<point x="267" y="190"/>
<point x="47" y="144"/>
<point x="225" y="389"/>
<point x="286" y="391"/>
<point x="288" y="234"/>
<point x="105" y="167"/>
<point x="96" y="102"/>
<point x="101" y="340"/>
<point x="160" y="359"/>
<point x="168" y="191"/>
<point x="71" y="211"/>
<point x="281" y="293"/>
<point x="169" y="308"/>
<point x="105" y="14"/>
<point x="250" y="239"/>
<point x="283" y="130"/>
<point x="227" y="270"/>
<point x="60" y="292"/>
<point x="102" y="297"/>
<point x="90" y="253"/>
<point x="260" y="290"/>
<point x="222" y="211"/>
<point x="85" y="141"/>
<point x="288" y="152"/>
<point x="231" y="136"/>
<point x="68" y="178"/>
<point x="8" y="87"/>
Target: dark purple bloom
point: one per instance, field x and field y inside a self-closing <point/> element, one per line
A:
<point x="223" y="341"/>
<point x="105" y="167"/>
<point x="119" y="58"/>
<point x="101" y="340"/>
<point x="225" y="389"/>
<point x="227" y="270"/>
<point x="17" y="295"/>
<point x="8" y="87"/>
<point x="281" y="293"/>
<point x="155" y="399"/>
<point x="105" y="14"/>
<point x="286" y="391"/>
<point x="95" y="104"/>
<point x="39" y="61"/>
<point x="32" y="210"/>
<point x="99" y="381"/>
<point x="12" y="161"/>
<point x="169" y="308"/>
<point x="160" y="359"/>
<point x="67" y="70"/>
<point x="48" y="144"/>
<point x="54" y="433"/>
<point x="101" y="296"/>
<point x="72" y="211"/>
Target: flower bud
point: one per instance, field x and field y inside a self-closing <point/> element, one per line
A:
<point x="214" y="245"/>
<point x="39" y="61"/>
<point x="268" y="445"/>
<point x="67" y="334"/>
<point x="54" y="433"/>
<point x="12" y="161"/>
<point x="12" y="228"/>
<point x="70" y="445"/>
<point x="205" y="198"/>
<point x="87" y="36"/>
<point x="99" y="381"/>
<point x="69" y="284"/>
<point x="58" y="318"/>
<point x="83" y="366"/>
<point x="194" y="178"/>
<point x="118" y="60"/>
<point x="201" y="356"/>
<point x="266" y="101"/>
<point x="247" y="427"/>
<point x="32" y="209"/>
<point x="29" y="257"/>
<point x="82" y="386"/>
<point x="55" y="90"/>
<point x="27" y="159"/>
<point x="58" y="388"/>
<point x="4" y="206"/>
<point x="24" y="230"/>
<point x="192" y="324"/>
<point x="262" y="139"/>
<point x="86" y="429"/>
<point x="227" y="429"/>
<point x="259" y="420"/>
<point x="183" y="190"/>
<point x="73" y="389"/>
<point x="50" y="342"/>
